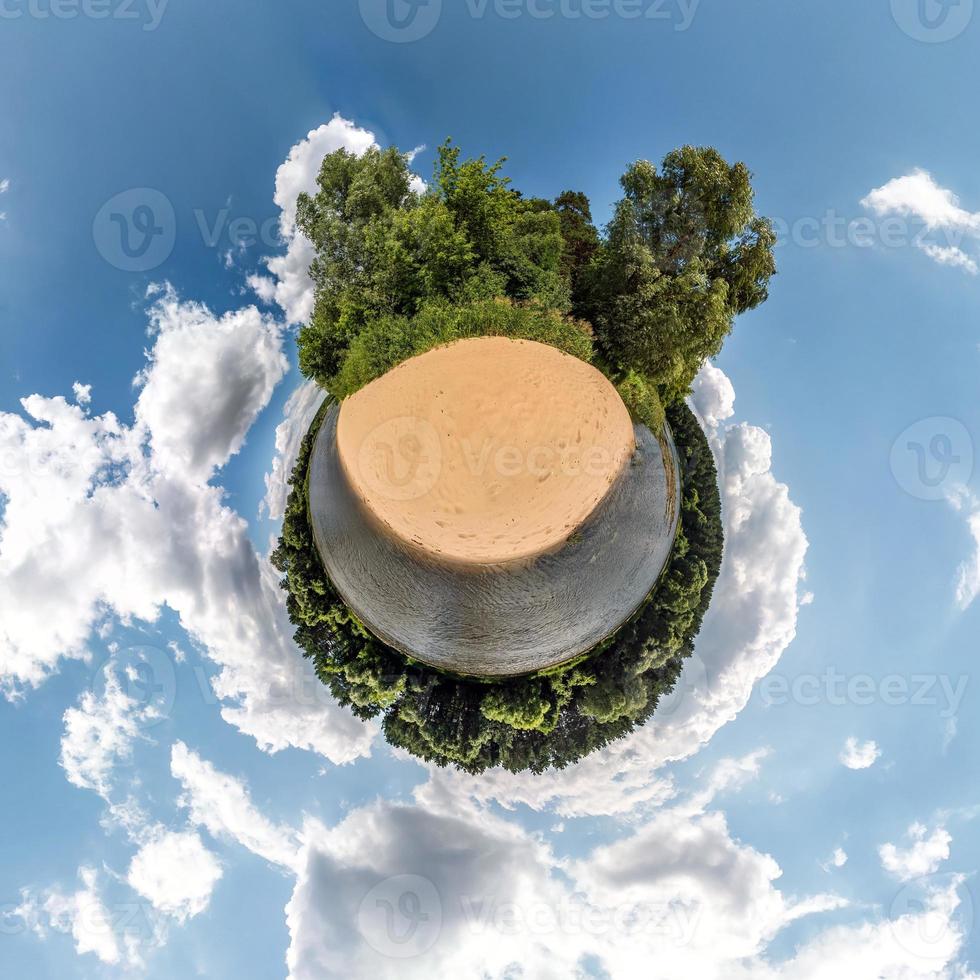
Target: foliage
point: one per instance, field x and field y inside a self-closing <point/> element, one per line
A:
<point x="581" y="239"/>
<point x="684" y="254"/>
<point x="383" y="249"/>
<point x="389" y="340"/>
<point x="641" y="398"/>
<point x="549" y="719"/>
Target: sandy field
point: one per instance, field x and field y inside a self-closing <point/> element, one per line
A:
<point x="485" y="451"/>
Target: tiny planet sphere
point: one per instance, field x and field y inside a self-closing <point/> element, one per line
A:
<point x="489" y="507"/>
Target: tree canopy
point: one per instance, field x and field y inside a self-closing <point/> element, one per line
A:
<point x="683" y="255"/>
<point x="385" y="249"/>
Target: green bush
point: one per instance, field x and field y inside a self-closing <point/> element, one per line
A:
<point x="642" y="400"/>
<point x="386" y="342"/>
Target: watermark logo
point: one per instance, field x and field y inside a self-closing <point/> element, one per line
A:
<point x="401" y="21"/>
<point x="933" y="21"/>
<point x="932" y="457"/>
<point x="135" y="231"/>
<point x="692" y="682"/>
<point x="401" y="459"/>
<point x="146" y="675"/>
<point x="401" y="917"/>
<point x="921" y="919"/>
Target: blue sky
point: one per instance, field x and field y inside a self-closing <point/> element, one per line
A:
<point x="133" y="533"/>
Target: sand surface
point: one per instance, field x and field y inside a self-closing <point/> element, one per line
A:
<point x="488" y="450"/>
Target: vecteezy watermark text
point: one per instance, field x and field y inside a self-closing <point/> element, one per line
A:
<point x="837" y="689"/>
<point x="402" y="917"/>
<point x="136" y="230"/>
<point x="148" y="12"/>
<point x="403" y="21"/>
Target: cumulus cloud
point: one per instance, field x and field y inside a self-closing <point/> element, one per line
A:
<point x="222" y="805"/>
<point x="859" y="755"/>
<point x="288" y="284"/>
<point x="836" y="860"/>
<point x="918" y="196"/>
<point x="84" y="916"/>
<point x="299" y="413"/>
<point x="242" y="345"/>
<point x="921" y="940"/>
<point x="4" y="187"/>
<point x="678" y="896"/>
<point x="751" y="621"/>
<point x="440" y="886"/>
<point x="176" y="873"/>
<point x="99" y="734"/>
<point x="102" y="518"/>
<point x="923" y="855"/>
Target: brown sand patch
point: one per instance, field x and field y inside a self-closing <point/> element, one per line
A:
<point x="487" y="450"/>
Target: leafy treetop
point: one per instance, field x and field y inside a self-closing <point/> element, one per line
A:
<point x="383" y="248"/>
<point x="684" y="254"/>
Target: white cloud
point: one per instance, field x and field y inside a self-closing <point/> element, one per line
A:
<point x="968" y="573"/>
<point x="289" y="285"/>
<point x="83" y="393"/>
<point x="727" y="775"/>
<point x="918" y="196"/>
<point x="751" y="621"/>
<point x="99" y="734"/>
<point x="922" y="857"/>
<point x="4" y="185"/>
<point x="84" y="916"/>
<point x="859" y="755"/>
<point x="176" y="873"/>
<point x="103" y="518"/>
<point x="836" y="860"/>
<point x="222" y="805"/>
<point x="920" y="941"/>
<point x="950" y="255"/>
<point x="228" y="368"/>
<point x="443" y="886"/>
<point x="299" y="413"/>
<point x="679" y="896"/>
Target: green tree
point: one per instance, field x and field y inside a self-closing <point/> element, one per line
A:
<point x="385" y="250"/>
<point x="684" y="254"/>
<point x="581" y="239"/>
